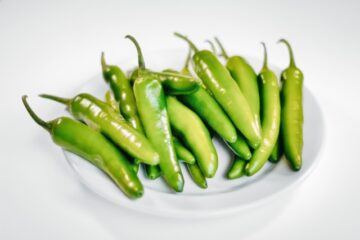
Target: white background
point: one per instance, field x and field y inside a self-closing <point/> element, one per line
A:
<point x="54" y="46"/>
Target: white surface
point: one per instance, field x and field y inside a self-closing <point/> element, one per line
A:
<point x="54" y="47"/>
<point x="222" y="197"/>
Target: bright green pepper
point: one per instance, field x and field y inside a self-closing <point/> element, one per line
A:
<point x="246" y="78"/>
<point x="189" y="127"/>
<point x="123" y="93"/>
<point x="151" y="104"/>
<point x="182" y="152"/>
<point x="236" y="169"/>
<point x="292" y="117"/>
<point x="109" y="99"/>
<point x="278" y="149"/>
<point x="197" y="175"/>
<point x="225" y="90"/>
<point x="212" y="114"/>
<point x="78" y="138"/>
<point x="208" y="109"/>
<point x="100" y="116"/>
<point x="270" y="117"/>
<point x="240" y="147"/>
<point x="152" y="171"/>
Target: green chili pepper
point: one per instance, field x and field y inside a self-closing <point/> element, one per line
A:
<point x="120" y="86"/>
<point x="189" y="127"/>
<point x="78" y="138"/>
<point x="111" y="101"/>
<point x="152" y="171"/>
<point x="278" y="149"/>
<point x="236" y="169"/>
<point x="208" y="109"/>
<point x="182" y="152"/>
<point x="150" y="100"/>
<point x="225" y="90"/>
<point x="270" y="117"/>
<point x="197" y="175"/>
<point x="123" y="93"/>
<point x="212" y="114"/>
<point x="292" y="111"/>
<point x="240" y="147"/>
<point x="100" y="116"/>
<point x="151" y="104"/>
<point x="245" y="77"/>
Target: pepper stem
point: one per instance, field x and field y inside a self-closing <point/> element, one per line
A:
<point x="292" y="61"/>
<point x="188" y="58"/>
<point x="265" y="64"/>
<point x="65" y="101"/>
<point x="223" y="52"/>
<point x="103" y="62"/>
<point x="141" y="61"/>
<point x="212" y="45"/>
<point x="191" y="44"/>
<point x="36" y="118"/>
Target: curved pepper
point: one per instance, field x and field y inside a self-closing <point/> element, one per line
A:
<point x="182" y="152"/>
<point x="270" y="117"/>
<point x="78" y="138"/>
<point x="217" y="78"/>
<point x="246" y="78"/>
<point x="292" y="116"/>
<point x="100" y="116"/>
<point x="123" y="93"/>
<point x="236" y="169"/>
<point x="189" y="127"/>
<point x="150" y="100"/>
<point x="197" y="175"/>
<point x="151" y="104"/>
<point x="208" y="109"/>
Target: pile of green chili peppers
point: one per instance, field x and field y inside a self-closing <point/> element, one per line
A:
<point x="160" y="120"/>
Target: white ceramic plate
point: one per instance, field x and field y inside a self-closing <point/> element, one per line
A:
<point x="222" y="196"/>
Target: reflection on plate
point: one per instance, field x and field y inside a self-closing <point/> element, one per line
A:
<point x="222" y="196"/>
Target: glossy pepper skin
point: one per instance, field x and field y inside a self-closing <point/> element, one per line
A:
<point x="246" y="78"/>
<point x="150" y="99"/>
<point x="78" y="138"/>
<point x="270" y="117"/>
<point x="236" y="169"/>
<point x="211" y="113"/>
<point x="111" y="101"/>
<point x="151" y="104"/>
<point x="292" y="117"/>
<point x="277" y="152"/>
<point x="189" y="127"/>
<point x="240" y="148"/>
<point x="123" y="93"/>
<point x="197" y="175"/>
<point x="208" y="109"/>
<point x="182" y="152"/>
<point x="225" y="90"/>
<point x="100" y="116"/>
